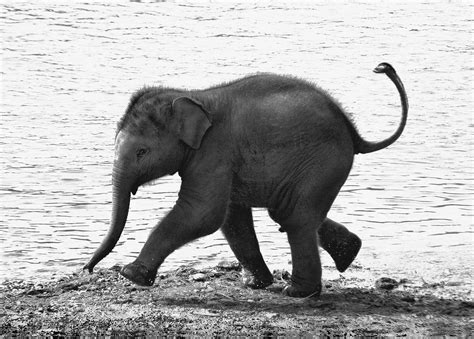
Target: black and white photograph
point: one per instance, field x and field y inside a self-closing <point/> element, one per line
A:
<point x="220" y="168"/>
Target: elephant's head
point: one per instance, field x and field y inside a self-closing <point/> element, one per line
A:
<point x="153" y="137"/>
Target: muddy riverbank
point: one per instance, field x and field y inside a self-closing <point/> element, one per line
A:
<point x="212" y="301"/>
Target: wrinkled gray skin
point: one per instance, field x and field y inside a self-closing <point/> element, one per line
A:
<point x="261" y="141"/>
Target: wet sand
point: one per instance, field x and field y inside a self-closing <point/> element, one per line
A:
<point x="212" y="301"/>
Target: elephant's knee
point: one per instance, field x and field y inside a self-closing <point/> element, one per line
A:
<point x="279" y="218"/>
<point x="210" y="222"/>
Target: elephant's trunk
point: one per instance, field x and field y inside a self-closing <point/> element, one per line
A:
<point x="121" y="203"/>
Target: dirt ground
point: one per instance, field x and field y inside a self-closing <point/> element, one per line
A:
<point x="213" y="302"/>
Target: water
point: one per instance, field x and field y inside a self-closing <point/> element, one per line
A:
<point x="68" y="71"/>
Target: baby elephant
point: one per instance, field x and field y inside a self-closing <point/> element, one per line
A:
<point x="262" y="141"/>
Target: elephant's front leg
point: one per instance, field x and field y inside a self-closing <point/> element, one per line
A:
<point x="191" y="218"/>
<point x="239" y="231"/>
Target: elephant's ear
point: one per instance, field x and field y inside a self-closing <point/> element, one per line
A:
<point x="192" y="120"/>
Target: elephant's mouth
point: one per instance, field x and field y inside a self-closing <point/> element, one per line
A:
<point x="137" y="184"/>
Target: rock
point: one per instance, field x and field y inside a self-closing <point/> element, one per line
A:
<point x="70" y="286"/>
<point x="36" y="291"/>
<point x="385" y="283"/>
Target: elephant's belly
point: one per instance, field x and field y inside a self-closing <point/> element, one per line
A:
<point x="257" y="178"/>
<point x="251" y="193"/>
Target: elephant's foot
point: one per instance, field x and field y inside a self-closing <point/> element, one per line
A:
<point x="139" y="274"/>
<point x="339" y="242"/>
<point x="303" y="285"/>
<point x="302" y="292"/>
<point x="345" y="252"/>
<point x="256" y="281"/>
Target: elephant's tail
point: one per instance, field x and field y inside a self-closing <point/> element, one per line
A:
<point x="363" y="146"/>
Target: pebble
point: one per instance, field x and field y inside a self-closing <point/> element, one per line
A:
<point x="282" y="275"/>
<point x="229" y="265"/>
<point x="116" y="268"/>
<point x="408" y="298"/>
<point x="385" y="283"/>
<point x="198" y="277"/>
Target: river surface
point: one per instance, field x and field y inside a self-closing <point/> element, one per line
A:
<point x="68" y="70"/>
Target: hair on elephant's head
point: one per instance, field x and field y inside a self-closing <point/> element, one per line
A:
<point x="153" y="134"/>
<point x="152" y="138"/>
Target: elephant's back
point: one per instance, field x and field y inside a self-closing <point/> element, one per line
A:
<point x="281" y="110"/>
<point x="263" y="84"/>
<point x="286" y="128"/>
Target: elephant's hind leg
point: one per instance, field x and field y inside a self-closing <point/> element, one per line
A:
<point x="306" y="273"/>
<point x="239" y="231"/>
<point x="300" y="227"/>
<point x="339" y="242"/>
<point x="302" y="224"/>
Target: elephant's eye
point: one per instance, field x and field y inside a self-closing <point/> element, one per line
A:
<point x="141" y="152"/>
